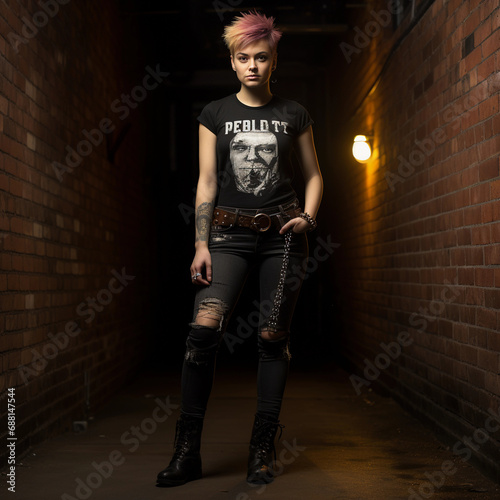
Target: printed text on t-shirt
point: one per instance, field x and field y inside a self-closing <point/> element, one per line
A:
<point x="255" y="126"/>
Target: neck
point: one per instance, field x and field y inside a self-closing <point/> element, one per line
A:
<point x="254" y="97"/>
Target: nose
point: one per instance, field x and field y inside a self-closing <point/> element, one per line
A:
<point x="251" y="156"/>
<point x="253" y="64"/>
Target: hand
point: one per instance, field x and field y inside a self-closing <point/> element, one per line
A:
<point x="202" y="262"/>
<point x="297" y="225"/>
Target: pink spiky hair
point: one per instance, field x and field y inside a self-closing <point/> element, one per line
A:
<point x="249" y="28"/>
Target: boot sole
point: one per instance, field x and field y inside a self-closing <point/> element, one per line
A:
<point x="256" y="479"/>
<point x="180" y="482"/>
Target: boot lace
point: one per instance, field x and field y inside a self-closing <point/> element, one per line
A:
<point x="181" y="440"/>
<point x="265" y="440"/>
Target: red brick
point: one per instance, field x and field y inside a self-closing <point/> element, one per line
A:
<point x="488" y="360"/>
<point x="488" y="148"/>
<point x="495" y="189"/>
<point x="477" y="337"/>
<point x="488" y="169"/>
<point x="471" y="61"/>
<point x="492" y="297"/>
<point x="468" y="354"/>
<point x="492" y="255"/>
<point x="487" y="213"/>
<point x="482" y="32"/>
<point x="491" y="44"/>
<point x="487" y="318"/>
<point x="494" y="341"/>
<point x="481" y="235"/>
<point x="464" y="235"/>
<point x="484" y="277"/>
<point x="495" y="232"/>
<point x="476" y="376"/>
<point x="495" y="20"/>
<point x="486" y="68"/>
<point x="474" y="296"/>
<point x="488" y="107"/>
<point x="465" y="275"/>
<point x="480" y="193"/>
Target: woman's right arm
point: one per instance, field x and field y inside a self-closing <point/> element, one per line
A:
<point x="206" y="192"/>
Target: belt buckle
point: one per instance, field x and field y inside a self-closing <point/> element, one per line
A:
<point x="257" y="222"/>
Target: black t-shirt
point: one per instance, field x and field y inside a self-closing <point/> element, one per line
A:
<point x="254" y="146"/>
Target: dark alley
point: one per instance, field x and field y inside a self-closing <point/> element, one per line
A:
<point x="389" y="334"/>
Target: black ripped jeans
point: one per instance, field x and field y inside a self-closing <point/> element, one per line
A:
<point x="235" y="253"/>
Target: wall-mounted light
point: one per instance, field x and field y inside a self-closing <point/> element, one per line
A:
<point x="361" y="148"/>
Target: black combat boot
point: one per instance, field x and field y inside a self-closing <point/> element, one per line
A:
<point x="260" y="458"/>
<point x="186" y="463"/>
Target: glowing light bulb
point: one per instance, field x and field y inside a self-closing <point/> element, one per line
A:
<point x="361" y="149"/>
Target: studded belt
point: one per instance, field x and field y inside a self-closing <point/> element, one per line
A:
<point x="259" y="222"/>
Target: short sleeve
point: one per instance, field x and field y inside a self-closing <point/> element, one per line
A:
<point x="207" y="118"/>
<point x="303" y="119"/>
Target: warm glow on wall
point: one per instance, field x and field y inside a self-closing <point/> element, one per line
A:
<point x="361" y="149"/>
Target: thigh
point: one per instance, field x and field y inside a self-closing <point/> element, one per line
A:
<point x="217" y="300"/>
<point x="270" y="272"/>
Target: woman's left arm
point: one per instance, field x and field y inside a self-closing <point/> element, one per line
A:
<point x="312" y="178"/>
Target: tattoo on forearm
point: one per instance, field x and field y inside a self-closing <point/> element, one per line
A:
<point x="203" y="220"/>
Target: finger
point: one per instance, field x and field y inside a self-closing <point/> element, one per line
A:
<point x="291" y="224"/>
<point x="286" y="227"/>
<point x="200" y="280"/>
<point x="195" y="276"/>
<point x="209" y="272"/>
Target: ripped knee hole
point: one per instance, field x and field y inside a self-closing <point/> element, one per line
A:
<point x="211" y="313"/>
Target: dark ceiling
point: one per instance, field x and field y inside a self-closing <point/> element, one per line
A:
<point x="187" y="35"/>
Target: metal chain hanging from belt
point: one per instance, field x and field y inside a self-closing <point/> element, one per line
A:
<point x="273" y="318"/>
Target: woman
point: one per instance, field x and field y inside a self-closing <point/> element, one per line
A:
<point x="247" y="218"/>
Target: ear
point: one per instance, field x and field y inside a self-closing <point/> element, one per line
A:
<point x="232" y="63"/>
<point x="275" y="62"/>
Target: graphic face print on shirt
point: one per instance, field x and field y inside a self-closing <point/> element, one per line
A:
<point x="254" y="158"/>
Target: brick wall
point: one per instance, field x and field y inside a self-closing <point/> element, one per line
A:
<point x="418" y="269"/>
<point x="76" y="253"/>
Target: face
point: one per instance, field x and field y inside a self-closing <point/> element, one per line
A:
<point x="254" y="63"/>
<point x="254" y="157"/>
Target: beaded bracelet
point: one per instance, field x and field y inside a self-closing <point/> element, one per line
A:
<point x="308" y="218"/>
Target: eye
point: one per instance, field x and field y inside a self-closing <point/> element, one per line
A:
<point x="266" y="149"/>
